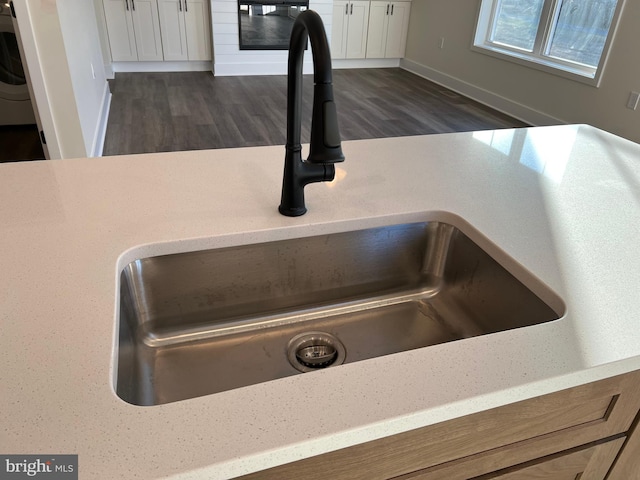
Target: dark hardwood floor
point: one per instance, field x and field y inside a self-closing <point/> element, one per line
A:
<point x="158" y="112"/>
<point x="19" y="143"/>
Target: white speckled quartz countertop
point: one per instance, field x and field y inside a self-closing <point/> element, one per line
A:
<point x="563" y="202"/>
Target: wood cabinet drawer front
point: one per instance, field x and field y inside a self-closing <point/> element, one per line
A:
<point x="589" y="462"/>
<point x="514" y="434"/>
<point x="627" y="465"/>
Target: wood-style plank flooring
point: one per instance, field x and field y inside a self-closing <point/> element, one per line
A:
<point x="19" y="143"/>
<point x="158" y="112"/>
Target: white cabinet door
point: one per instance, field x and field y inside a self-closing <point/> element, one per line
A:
<point x="156" y="30"/>
<point x="378" y="27"/>
<point x="398" y="28"/>
<point x="357" y="30"/>
<point x="198" y="29"/>
<point x="349" y="29"/>
<point x="185" y="29"/>
<point x="174" y="38"/>
<point x="339" y="29"/>
<point x="388" y="26"/>
<point x="146" y="25"/>
<point x="120" y="30"/>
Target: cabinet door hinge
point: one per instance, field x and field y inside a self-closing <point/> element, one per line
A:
<point x="13" y="10"/>
<point x="42" y="137"/>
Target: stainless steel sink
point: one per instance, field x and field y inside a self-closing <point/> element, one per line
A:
<point x="198" y="323"/>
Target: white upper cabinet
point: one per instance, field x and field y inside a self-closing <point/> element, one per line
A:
<point x="349" y="29"/>
<point x="388" y="26"/>
<point x="185" y="29"/>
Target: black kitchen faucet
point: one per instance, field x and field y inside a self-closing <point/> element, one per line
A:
<point x="325" y="148"/>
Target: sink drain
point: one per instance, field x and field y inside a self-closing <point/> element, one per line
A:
<point x="315" y="350"/>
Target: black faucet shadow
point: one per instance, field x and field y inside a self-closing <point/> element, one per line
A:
<point x="325" y="148"/>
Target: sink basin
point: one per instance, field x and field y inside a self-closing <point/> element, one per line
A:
<point x="198" y="323"/>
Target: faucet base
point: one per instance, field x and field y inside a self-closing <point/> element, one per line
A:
<point x="292" y="211"/>
<point x="297" y="174"/>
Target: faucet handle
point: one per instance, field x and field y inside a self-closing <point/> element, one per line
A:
<point x="330" y="127"/>
<point x="325" y="144"/>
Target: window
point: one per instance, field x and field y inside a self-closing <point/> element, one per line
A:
<point x="567" y="37"/>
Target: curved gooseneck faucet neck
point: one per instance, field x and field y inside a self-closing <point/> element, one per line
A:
<point x="312" y="26"/>
<point x="325" y="148"/>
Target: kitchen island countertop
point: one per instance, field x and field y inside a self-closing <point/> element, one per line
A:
<point x="561" y="202"/>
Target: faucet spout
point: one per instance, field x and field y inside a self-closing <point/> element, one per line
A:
<point x="325" y="148"/>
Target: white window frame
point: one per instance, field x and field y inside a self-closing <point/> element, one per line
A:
<point x="537" y="59"/>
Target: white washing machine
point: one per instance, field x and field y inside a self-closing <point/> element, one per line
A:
<point x="15" y="104"/>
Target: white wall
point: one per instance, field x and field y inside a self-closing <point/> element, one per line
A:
<point x="103" y="38"/>
<point x="62" y="44"/>
<point x="230" y="60"/>
<point x="86" y="68"/>
<point x="38" y="19"/>
<point x="533" y="95"/>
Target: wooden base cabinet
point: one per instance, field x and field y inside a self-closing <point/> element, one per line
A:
<point x="586" y="433"/>
<point x="627" y="465"/>
<point x="589" y="462"/>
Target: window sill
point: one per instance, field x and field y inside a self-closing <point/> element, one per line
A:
<point x="545" y="65"/>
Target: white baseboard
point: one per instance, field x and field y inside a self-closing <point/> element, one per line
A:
<point x="493" y="100"/>
<point x="101" y="128"/>
<point x="108" y="71"/>
<point x="365" y="63"/>
<point x="258" y="68"/>
<point x="162" y="67"/>
<point x="272" y="68"/>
